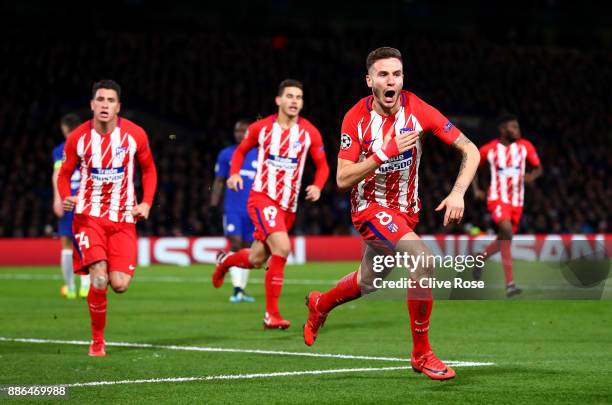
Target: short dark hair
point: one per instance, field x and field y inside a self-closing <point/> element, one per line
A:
<point x="289" y="83"/>
<point x="505" y="117"/>
<point x="106" y="84"/>
<point x="384" y="52"/>
<point x="71" y="120"/>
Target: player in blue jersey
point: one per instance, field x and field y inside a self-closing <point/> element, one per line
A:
<point x="68" y="123"/>
<point x="237" y="226"/>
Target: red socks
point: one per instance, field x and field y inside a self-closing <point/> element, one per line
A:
<point x="506" y="255"/>
<point x="274" y="282"/>
<point x="420" y="302"/>
<point x="506" y="249"/>
<point x="345" y="290"/>
<point x="239" y="259"/>
<point x="491" y="249"/>
<point x="96" y="299"/>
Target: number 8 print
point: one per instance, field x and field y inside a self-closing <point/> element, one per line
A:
<point x="384" y="218"/>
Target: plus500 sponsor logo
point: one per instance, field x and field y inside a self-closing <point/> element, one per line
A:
<point x="281" y="162"/>
<point x="111" y="175"/>
<point x="400" y="162"/>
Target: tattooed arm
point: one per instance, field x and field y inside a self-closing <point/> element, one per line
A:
<point x="469" y="164"/>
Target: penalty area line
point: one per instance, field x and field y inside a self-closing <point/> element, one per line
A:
<point x="452" y="363"/>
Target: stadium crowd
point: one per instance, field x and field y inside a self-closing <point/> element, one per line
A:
<point x="187" y="89"/>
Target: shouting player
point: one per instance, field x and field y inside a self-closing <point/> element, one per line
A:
<point x="67" y="124"/>
<point x="106" y="149"/>
<point x="507" y="157"/>
<point x="237" y="225"/>
<point x="283" y="141"/>
<point x="380" y="150"/>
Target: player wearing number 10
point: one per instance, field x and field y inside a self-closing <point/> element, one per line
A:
<point x="380" y="149"/>
<point x="283" y="141"/>
<point x="105" y="149"/>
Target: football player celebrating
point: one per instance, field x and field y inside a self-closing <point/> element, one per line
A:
<point x="380" y="150"/>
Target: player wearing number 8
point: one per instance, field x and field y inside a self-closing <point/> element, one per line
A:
<point x="380" y="150"/>
<point x="283" y="140"/>
<point x="105" y="149"/>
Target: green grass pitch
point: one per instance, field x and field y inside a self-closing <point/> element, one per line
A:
<point x="543" y="351"/>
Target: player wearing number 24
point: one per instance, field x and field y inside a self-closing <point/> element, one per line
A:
<point x="105" y="207"/>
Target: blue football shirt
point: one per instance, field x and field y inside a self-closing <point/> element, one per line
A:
<point x="236" y="201"/>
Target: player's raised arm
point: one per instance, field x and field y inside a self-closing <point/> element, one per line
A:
<point x="317" y="153"/>
<point x="65" y="173"/>
<point x="249" y="142"/>
<point x="149" y="179"/>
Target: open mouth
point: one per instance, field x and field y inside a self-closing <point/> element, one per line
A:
<point x="104" y="114"/>
<point x="388" y="95"/>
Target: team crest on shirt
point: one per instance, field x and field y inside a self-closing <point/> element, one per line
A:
<point x="345" y="141"/>
<point x="120" y="151"/>
<point x="296" y="146"/>
<point x="392" y="227"/>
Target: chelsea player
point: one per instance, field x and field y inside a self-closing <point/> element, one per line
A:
<point x="237" y="226"/>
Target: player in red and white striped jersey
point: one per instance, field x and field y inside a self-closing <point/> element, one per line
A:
<point x="106" y="149"/>
<point x="284" y="140"/>
<point x="380" y="149"/>
<point x="508" y="157"/>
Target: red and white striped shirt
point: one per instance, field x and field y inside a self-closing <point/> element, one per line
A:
<point x="507" y="163"/>
<point x="395" y="183"/>
<point x="281" y="158"/>
<point x="106" y="163"/>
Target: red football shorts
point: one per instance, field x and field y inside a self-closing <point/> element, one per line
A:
<point x="98" y="239"/>
<point x="267" y="216"/>
<point x="505" y="212"/>
<point x="380" y="223"/>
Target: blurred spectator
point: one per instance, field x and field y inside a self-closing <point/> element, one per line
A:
<point x="188" y="88"/>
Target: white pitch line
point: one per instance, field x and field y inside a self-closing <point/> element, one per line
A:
<point x="452" y="363"/>
<point x="230" y="376"/>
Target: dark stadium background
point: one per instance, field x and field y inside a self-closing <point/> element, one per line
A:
<point x="192" y="70"/>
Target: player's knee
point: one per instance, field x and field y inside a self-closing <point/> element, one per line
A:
<point x="119" y="287"/>
<point x="282" y="250"/>
<point x="99" y="282"/>
<point x="505" y="233"/>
